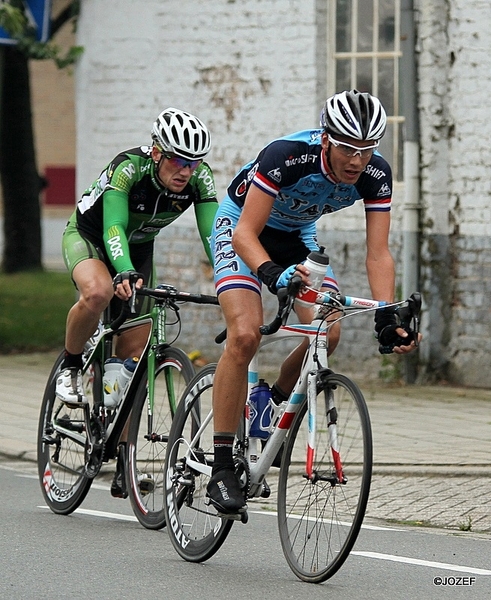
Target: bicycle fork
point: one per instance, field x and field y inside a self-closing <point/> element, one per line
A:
<point x="331" y="412"/>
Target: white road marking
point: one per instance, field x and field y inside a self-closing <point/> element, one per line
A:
<point x="422" y="563"/>
<point x="273" y="513"/>
<point x="100" y="513"/>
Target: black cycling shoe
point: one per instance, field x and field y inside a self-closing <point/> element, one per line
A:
<point x="118" y="486"/>
<point x="225" y="493"/>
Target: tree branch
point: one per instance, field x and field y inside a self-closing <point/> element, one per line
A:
<point x="70" y="11"/>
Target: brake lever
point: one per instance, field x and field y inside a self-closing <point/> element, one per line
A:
<point x="132" y="301"/>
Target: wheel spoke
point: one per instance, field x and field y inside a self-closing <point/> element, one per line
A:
<point x="320" y="518"/>
<point x="197" y="532"/>
<point x="148" y="436"/>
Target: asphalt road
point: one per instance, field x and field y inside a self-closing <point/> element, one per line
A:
<point x="101" y="551"/>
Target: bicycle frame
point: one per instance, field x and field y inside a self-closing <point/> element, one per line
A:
<point x="315" y="355"/>
<point x="305" y="389"/>
<point x="102" y="346"/>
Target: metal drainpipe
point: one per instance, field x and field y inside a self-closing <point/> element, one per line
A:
<point x="412" y="206"/>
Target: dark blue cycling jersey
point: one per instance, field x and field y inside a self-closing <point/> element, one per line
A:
<point x="291" y="169"/>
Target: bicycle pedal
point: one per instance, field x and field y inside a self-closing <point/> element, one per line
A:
<point x="242" y="516"/>
<point x="73" y="405"/>
<point x="146" y="487"/>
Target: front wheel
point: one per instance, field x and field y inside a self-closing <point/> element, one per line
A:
<point x="62" y="444"/>
<point x="319" y="518"/>
<point x="195" y="529"/>
<point x="148" y="434"/>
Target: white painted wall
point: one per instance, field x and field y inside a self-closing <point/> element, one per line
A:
<point x="251" y="70"/>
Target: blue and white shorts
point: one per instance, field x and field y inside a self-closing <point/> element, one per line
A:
<point x="285" y="248"/>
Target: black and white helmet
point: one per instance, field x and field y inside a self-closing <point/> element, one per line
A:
<point x="181" y="133"/>
<point x="354" y="114"/>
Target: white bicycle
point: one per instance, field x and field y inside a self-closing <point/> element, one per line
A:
<point x="322" y="434"/>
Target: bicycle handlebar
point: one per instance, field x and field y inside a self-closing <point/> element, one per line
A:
<point x="168" y="292"/>
<point x="408" y="313"/>
<point x="161" y="292"/>
<point x="286" y="297"/>
<point x="121" y="318"/>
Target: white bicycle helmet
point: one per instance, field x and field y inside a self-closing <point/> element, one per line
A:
<point x="181" y="133"/>
<point x="354" y="114"/>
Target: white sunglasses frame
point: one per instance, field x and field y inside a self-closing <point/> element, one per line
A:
<point x="357" y="149"/>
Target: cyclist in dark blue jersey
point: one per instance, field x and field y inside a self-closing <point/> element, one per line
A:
<point x="264" y="230"/>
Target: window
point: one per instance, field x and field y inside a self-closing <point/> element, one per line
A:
<point x="363" y="53"/>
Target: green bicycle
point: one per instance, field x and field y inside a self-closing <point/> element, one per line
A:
<point x="73" y="443"/>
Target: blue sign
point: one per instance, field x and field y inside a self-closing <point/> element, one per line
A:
<point x="38" y="13"/>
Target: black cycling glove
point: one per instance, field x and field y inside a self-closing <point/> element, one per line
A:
<point x="131" y="276"/>
<point x="386" y="324"/>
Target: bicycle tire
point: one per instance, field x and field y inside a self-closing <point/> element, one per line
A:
<point x="319" y="521"/>
<point x="195" y="529"/>
<point x="61" y="460"/>
<point x="148" y="434"/>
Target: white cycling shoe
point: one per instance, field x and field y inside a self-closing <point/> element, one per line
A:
<point x="69" y="387"/>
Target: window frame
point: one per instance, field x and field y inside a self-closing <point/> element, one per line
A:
<point x="396" y="120"/>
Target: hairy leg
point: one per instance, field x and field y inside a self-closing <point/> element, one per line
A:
<point x="243" y="314"/>
<point x="94" y="284"/>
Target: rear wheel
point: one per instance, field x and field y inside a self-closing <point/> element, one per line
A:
<point x="319" y="518"/>
<point x="62" y="444"/>
<point x="148" y="435"/>
<point x="195" y="529"/>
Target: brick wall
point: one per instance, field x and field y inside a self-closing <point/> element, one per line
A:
<point x="230" y="66"/>
<point x="454" y="63"/>
<point x="253" y="70"/>
<point x="223" y="60"/>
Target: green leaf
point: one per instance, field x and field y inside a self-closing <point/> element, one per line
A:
<point x="14" y="21"/>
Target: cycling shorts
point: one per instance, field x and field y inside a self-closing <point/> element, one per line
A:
<point x="77" y="248"/>
<point x="285" y="248"/>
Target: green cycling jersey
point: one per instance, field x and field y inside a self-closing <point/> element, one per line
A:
<point x="127" y="205"/>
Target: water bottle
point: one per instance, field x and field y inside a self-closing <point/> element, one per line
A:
<point x="260" y="410"/>
<point x="116" y="376"/>
<point x="112" y="368"/>
<point x="317" y="263"/>
<point x="126" y="373"/>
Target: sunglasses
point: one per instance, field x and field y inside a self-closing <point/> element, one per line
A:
<point x="349" y="150"/>
<point x="181" y="163"/>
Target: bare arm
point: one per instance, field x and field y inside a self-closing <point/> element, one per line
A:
<point x="379" y="261"/>
<point x="380" y="265"/>
<point x="245" y="240"/>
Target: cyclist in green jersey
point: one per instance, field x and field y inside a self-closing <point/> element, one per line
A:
<point x="109" y="239"/>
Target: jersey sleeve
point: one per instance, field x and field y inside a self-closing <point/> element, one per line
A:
<point x="204" y="184"/>
<point x="376" y="189"/>
<point x="205" y="205"/>
<point x="205" y="215"/>
<point x="116" y="214"/>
